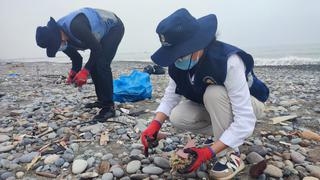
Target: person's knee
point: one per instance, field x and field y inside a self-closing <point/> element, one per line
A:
<point x="215" y="93"/>
<point x="175" y="118"/>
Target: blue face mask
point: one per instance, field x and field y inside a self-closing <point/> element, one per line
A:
<point x="186" y="62"/>
<point x="63" y="46"/>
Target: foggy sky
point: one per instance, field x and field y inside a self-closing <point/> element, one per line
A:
<point x="244" y="23"/>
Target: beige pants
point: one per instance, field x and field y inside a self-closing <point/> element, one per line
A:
<point x="211" y="119"/>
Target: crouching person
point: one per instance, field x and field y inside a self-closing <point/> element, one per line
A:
<point x="223" y="95"/>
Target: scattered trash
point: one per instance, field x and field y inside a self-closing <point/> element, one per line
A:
<point x="12" y="73"/>
<point x="104" y="138"/>
<point x="46" y="174"/>
<point x="155" y="69"/>
<point x="277" y="120"/>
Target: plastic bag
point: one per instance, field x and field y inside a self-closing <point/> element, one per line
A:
<point x="135" y="87"/>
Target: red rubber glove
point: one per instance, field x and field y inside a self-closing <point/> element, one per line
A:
<point x="71" y="75"/>
<point x="199" y="155"/>
<point x="81" y="78"/>
<point x="150" y="133"/>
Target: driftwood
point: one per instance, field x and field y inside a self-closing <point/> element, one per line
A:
<point x="46" y="174"/>
<point x="280" y="119"/>
<point x="54" y="76"/>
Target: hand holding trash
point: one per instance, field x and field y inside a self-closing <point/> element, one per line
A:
<point x="199" y="156"/>
<point x="81" y="78"/>
<point x="71" y="75"/>
<point x="149" y="136"/>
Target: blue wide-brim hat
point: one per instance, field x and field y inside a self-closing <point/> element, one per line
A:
<point x="49" y="37"/>
<point x="181" y="34"/>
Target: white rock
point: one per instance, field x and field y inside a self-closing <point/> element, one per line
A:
<point x="4" y="138"/>
<point x="51" y="159"/>
<point x="6" y="148"/>
<point x="273" y="171"/>
<point x="117" y="172"/>
<point x="107" y="176"/>
<point x="78" y="166"/>
<point x="133" y="166"/>
<point x="89" y="175"/>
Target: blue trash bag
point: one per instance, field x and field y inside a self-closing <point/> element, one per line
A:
<point x="132" y="88"/>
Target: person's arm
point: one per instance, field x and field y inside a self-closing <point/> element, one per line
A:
<point x="80" y="27"/>
<point x="75" y="58"/>
<point x="169" y="100"/>
<point x="244" y="118"/>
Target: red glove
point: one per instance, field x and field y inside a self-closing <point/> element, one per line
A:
<point x="71" y="75"/>
<point x="81" y="78"/>
<point x="200" y="155"/>
<point x="150" y="135"/>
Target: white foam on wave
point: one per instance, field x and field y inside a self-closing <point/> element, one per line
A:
<point x="286" y="61"/>
<point x="259" y="61"/>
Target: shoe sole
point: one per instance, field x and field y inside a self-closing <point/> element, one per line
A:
<point x="241" y="167"/>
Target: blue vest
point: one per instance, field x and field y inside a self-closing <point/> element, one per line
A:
<point x="212" y="69"/>
<point x="99" y="25"/>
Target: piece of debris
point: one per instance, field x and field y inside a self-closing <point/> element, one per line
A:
<point x="280" y="119"/>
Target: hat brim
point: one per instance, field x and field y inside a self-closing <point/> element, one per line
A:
<point x="167" y="55"/>
<point x="55" y="38"/>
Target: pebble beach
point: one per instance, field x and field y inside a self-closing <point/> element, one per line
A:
<point x="44" y="134"/>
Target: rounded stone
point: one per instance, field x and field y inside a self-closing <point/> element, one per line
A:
<point x="288" y="163"/>
<point x="74" y="147"/>
<point x="6" y="175"/>
<point x="107" y="156"/>
<point x="258" y="149"/>
<point x="161" y="162"/>
<point x="152" y="170"/>
<point x="297" y="157"/>
<point x="78" y="166"/>
<point x="310" y="178"/>
<point x="27" y="158"/>
<point x="59" y="162"/>
<point x="254" y="158"/>
<point x="139" y="176"/>
<point x="51" y="159"/>
<point x="133" y="166"/>
<point x="6" y="148"/>
<point x="4" y="138"/>
<point x="19" y="174"/>
<point x="90" y="161"/>
<point x="314" y="170"/>
<point x="117" y="172"/>
<point x="107" y="176"/>
<point x="273" y="171"/>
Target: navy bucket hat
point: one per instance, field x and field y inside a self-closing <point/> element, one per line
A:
<point x="181" y="34"/>
<point x="49" y="37"/>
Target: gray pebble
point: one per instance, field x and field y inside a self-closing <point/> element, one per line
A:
<point x="107" y="176"/>
<point x="254" y="158"/>
<point x="117" y="172"/>
<point x="152" y="170"/>
<point x="162" y="162"/>
<point x="27" y="158"/>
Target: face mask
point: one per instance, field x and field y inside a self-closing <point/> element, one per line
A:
<point x="186" y="62"/>
<point x="63" y="46"/>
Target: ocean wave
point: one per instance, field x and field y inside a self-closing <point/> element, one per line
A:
<point x="286" y="61"/>
<point x="259" y="61"/>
